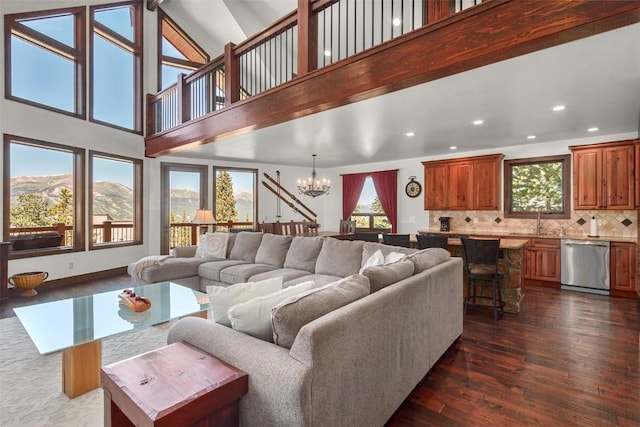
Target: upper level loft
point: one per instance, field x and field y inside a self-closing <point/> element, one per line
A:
<point x="329" y="53"/>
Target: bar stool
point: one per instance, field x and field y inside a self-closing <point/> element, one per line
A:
<point x="366" y="236"/>
<point x="427" y="241"/>
<point x="396" y="239"/>
<point x="480" y="259"/>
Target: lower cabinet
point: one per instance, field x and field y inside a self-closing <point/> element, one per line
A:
<point x="623" y="266"/>
<point x="542" y="260"/>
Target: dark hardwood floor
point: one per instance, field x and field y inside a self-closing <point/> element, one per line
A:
<point x="567" y="359"/>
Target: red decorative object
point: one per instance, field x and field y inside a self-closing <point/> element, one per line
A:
<point x="134" y="302"/>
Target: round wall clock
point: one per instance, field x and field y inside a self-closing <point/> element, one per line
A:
<point x="413" y="187"/>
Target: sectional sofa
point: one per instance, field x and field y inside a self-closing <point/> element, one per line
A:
<point x="352" y="366"/>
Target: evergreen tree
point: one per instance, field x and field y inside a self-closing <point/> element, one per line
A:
<point x="376" y="207"/>
<point x="225" y="201"/>
<point x="62" y="212"/>
<point x="379" y="222"/>
<point x="30" y="211"/>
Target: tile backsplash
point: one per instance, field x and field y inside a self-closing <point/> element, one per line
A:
<point x="621" y="224"/>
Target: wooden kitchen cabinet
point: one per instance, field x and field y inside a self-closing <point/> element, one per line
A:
<point x="541" y="260"/>
<point x="623" y="266"/>
<point x="463" y="184"/>
<point x="637" y="172"/>
<point x="603" y="176"/>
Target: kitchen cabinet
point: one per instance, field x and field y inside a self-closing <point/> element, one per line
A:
<point x="637" y="172"/>
<point x="463" y="184"/>
<point x="541" y="260"/>
<point x="623" y="266"/>
<point x="603" y="176"/>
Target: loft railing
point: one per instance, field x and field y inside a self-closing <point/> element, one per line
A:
<point x="319" y="33"/>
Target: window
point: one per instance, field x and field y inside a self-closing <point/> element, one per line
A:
<point x="116" y="60"/>
<point x="45" y="59"/>
<point x="368" y="213"/>
<point x="539" y="184"/>
<point x="45" y="197"/>
<point x="235" y="197"/>
<point x="115" y="212"/>
<point x="177" y="52"/>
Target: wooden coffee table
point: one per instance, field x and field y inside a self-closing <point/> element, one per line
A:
<point x="176" y="385"/>
<point x="77" y="325"/>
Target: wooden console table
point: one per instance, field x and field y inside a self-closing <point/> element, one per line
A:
<point x="176" y="385"/>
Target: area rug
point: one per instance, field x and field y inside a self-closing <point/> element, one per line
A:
<point x="31" y="384"/>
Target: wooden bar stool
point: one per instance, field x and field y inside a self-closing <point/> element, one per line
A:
<point x="480" y="258"/>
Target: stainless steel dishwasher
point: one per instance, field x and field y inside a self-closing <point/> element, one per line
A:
<point x="585" y="265"/>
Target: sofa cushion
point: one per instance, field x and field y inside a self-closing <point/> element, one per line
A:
<point x="184" y="251"/>
<point x="369" y="248"/>
<point x="319" y="280"/>
<point x="222" y="298"/>
<point x="290" y="315"/>
<point x="211" y="270"/>
<point x="254" y="316"/>
<point x="428" y="258"/>
<point x="339" y="257"/>
<point x="171" y="268"/>
<point x="273" y="250"/>
<point x="215" y="245"/>
<point x="246" y="246"/>
<point x="381" y="276"/>
<point x="242" y="272"/>
<point x="303" y="253"/>
<point x="286" y="274"/>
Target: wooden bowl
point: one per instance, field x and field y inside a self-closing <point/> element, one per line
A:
<point x="28" y="281"/>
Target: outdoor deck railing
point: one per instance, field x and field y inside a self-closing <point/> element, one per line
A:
<point x="319" y="34"/>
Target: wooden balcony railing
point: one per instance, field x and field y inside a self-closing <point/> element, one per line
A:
<point x="186" y="233"/>
<point x="317" y="34"/>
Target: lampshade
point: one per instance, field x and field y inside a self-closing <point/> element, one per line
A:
<point x="203" y="216"/>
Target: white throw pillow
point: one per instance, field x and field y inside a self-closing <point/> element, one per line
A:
<point x="394" y="257"/>
<point x="201" y="245"/>
<point x="376" y="259"/>
<point x="254" y="317"/>
<point x="222" y="298"/>
<point x="216" y="245"/>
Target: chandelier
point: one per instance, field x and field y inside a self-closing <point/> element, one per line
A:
<point x="313" y="186"/>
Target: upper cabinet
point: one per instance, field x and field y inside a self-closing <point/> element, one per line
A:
<point x="463" y="184"/>
<point x="603" y="176"/>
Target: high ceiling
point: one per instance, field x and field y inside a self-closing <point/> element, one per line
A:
<point x="597" y="78"/>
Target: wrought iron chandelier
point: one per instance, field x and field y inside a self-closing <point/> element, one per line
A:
<point x="314" y="187"/>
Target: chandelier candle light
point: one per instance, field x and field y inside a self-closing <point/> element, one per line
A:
<point x="313" y="186"/>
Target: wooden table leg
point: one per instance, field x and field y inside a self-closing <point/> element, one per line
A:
<point x="81" y="368"/>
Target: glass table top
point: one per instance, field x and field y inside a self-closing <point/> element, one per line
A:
<point x="57" y="325"/>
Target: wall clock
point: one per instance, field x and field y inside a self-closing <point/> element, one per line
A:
<point x="413" y="187"/>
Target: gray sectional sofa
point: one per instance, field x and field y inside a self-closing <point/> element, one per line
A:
<point x="353" y="366"/>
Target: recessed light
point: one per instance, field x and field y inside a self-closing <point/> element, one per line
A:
<point x="478" y="122"/>
<point x="396" y="22"/>
<point x="594" y="129"/>
<point x="559" y="107"/>
<point x="531" y="137"/>
<point x="327" y="52"/>
<point x="410" y="133"/>
<point x="453" y="147"/>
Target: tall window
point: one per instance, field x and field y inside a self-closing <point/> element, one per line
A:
<point x="177" y="52"/>
<point x="115" y="213"/>
<point x="45" y="197"/>
<point x="116" y="59"/>
<point x="45" y="59"/>
<point x="368" y="213"/>
<point x="236" y="197"/>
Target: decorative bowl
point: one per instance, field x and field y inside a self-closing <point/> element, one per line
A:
<point x="28" y="281"/>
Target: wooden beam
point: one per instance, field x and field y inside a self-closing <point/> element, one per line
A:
<point x="468" y="40"/>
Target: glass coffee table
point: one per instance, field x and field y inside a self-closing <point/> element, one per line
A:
<point x="77" y="325"/>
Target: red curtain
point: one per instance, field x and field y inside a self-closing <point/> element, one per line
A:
<point x="386" y="184"/>
<point x="351" y="188"/>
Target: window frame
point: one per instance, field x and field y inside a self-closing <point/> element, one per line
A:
<point x="255" y="190"/>
<point x="77" y="54"/>
<point x="565" y="159"/>
<point x="135" y="47"/>
<point x="78" y="196"/>
<point x="137" y="201"/>
<point x="372" y="218"/>
<point x="170" y="60"/>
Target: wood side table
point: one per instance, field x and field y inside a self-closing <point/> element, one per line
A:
<point x="176" y="385"/>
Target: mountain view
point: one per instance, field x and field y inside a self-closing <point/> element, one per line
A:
<point x="116" y="200"/>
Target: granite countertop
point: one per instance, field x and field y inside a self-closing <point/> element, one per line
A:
<point x="516" y="235"/>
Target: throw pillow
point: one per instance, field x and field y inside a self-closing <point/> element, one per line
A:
<point x="394" y="257"/>
<point x="222" y="298"/>
<point x="339" y="257"/>
<point x="273" y="250"/>
<point x="254" y="316"/>
<point x="376" y="259"/>
<point x="216" y="245"/>
<point x="428" y="258"/>
<point x="290" y="315"/>
<point x="202" y="242"/>
<point x="381" y="276"/>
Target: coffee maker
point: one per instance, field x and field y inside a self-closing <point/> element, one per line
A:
<point x="444" y="223"/>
